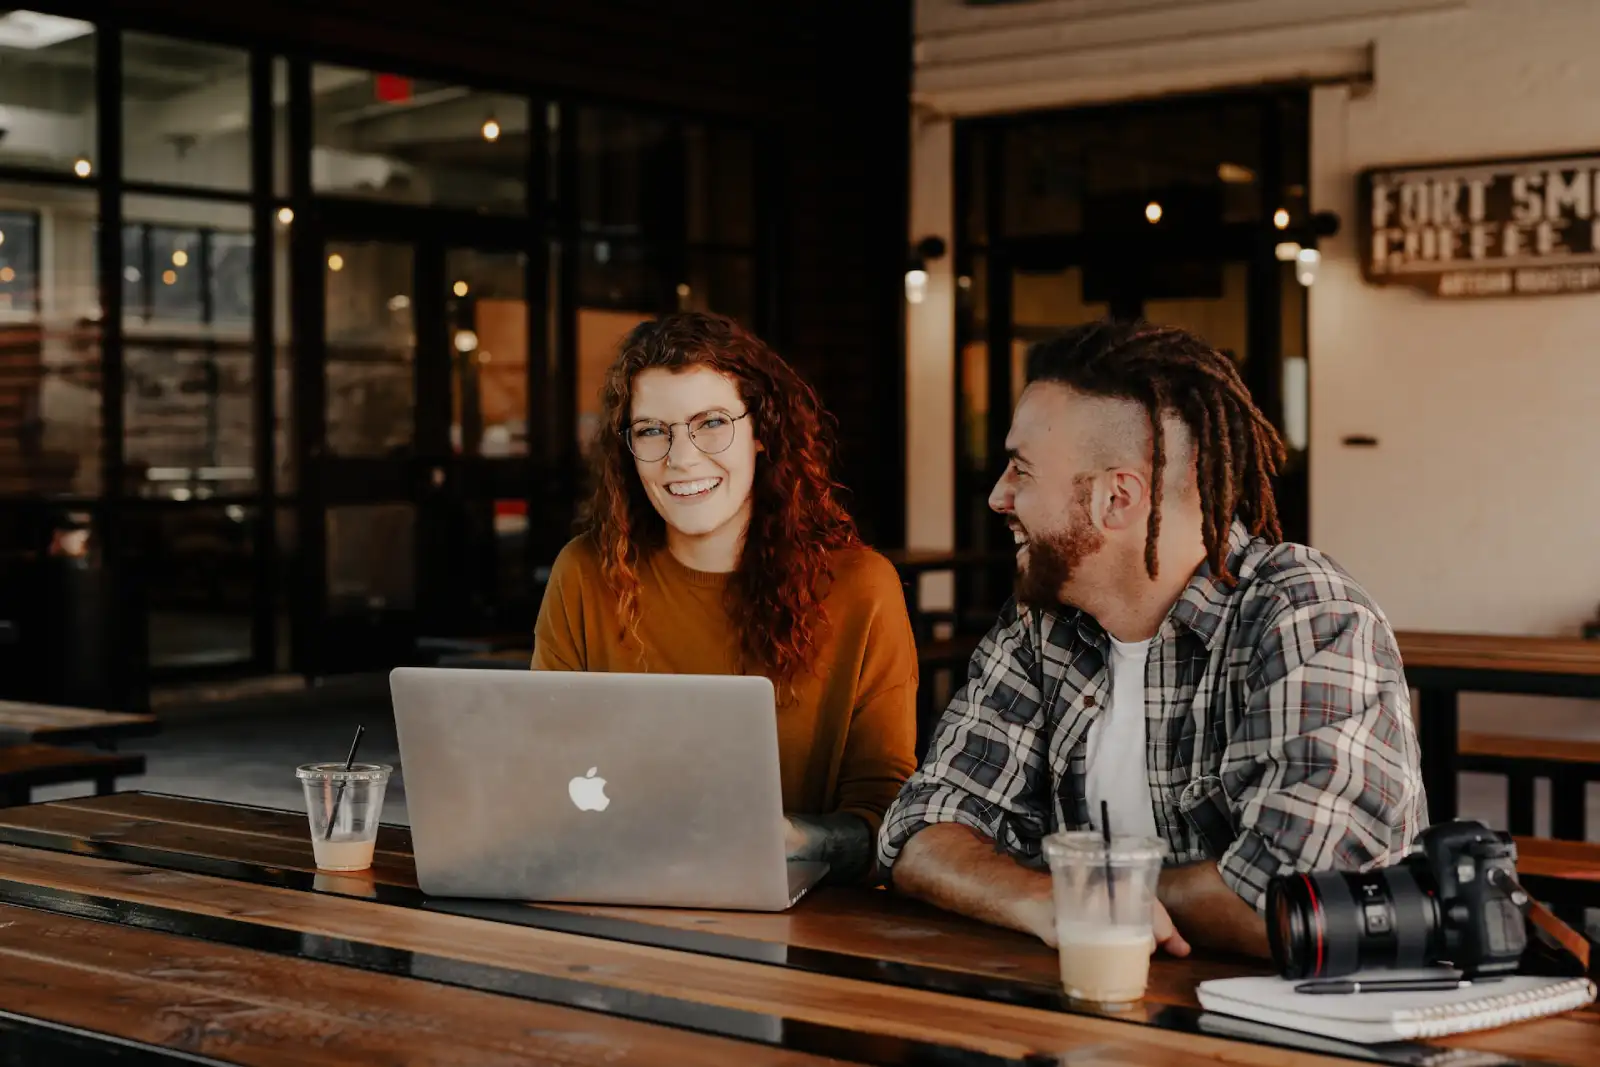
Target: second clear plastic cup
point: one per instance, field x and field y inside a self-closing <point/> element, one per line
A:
<point x="344" y="808"/>
<point x="1105" y="898"/>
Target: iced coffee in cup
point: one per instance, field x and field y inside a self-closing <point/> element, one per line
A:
<point x="344" y="803"/>
<point x="1104" y="896"/>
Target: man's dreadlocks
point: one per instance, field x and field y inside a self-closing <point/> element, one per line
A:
<point x="1170" y="370"/>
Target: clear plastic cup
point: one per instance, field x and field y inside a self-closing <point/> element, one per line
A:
<point x="344" y="808"/>
<point x="1105" y="898"/>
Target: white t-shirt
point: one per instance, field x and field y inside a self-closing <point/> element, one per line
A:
<point x="1116" y="752"/>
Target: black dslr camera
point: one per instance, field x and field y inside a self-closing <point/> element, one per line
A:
<point x="1454" y="900"/>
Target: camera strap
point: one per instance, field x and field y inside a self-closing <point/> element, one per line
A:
<point x="1551" y="935"/>
<point x="1552" y="929"/>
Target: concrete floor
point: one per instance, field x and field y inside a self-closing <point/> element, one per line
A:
<point x="248" y="754"/>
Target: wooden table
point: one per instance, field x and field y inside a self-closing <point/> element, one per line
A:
<point x="200" y="928"/>
<point x="1443" y="665"/>
<point x="911" y="562"/>
<point x="20" y="722"/>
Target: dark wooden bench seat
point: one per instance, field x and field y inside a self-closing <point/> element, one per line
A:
<point x="26" y="767"/>
<point x="1569" y="765"/>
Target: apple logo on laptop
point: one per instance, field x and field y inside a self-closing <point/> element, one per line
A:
<point x="589" y="792"/>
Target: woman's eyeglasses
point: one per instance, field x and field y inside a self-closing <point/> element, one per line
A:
<point x="711" y="431"/>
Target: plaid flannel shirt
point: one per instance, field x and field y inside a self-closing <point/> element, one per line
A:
<point x="1278" y="724"/>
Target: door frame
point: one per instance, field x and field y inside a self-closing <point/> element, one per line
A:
<point x="430" y="476"/>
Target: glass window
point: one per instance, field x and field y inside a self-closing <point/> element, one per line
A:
<point x="185" y="112"/>
<point x="626" y="276"/>
<point x="49" y="342"/>
<point x="371" y="558"/>
<point x="282" y="360"/>
<point x="600" y="334"/>
<point x="1209" y="299"/>
<point x="721" y="282"/>
<point x="371" y="346"/>
<point x="721" y="185"/>
<point x="1100" y="169"/>
<point x="188" y="412"/>
<point x="19" y="261"/>
<point x="231" y="280"/>
<point x="630" y="176"/>
<point x="197" y="573"/>
<point x="488" y="321"/>
<point x="177" y="280"/>
<point x="973" y="167"/>
<point x="280" y="126"/>
<point x="387" y="137"/>
<point x="48" y="93"/>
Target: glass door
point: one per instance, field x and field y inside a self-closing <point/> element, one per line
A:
<point x="415" y="505"/>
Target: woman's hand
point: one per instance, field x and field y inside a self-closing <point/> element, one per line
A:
<point x="795" y="840"/>
<point x="843" y="841"/>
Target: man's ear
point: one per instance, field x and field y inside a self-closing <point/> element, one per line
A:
<point x="1126" y="497"/>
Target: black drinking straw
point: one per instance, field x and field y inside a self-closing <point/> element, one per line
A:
<point x="1111" y="882"/>
<point x="338" y="795"/>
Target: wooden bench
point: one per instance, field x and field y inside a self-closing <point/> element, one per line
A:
<point x="1440" y="666"/>
<point x="24" y="768"/>
<point x="1569" y="765"/>
<point x="21" y="722"/>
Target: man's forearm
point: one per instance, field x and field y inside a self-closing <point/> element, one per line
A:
<point x="843" y="841"/>
<point x="1209" y="914"/>
<point x="952" y="867"/>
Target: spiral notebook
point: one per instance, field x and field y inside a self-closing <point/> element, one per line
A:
<point x="1374" y="1018"/>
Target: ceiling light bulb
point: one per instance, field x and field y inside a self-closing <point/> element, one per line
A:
<point x="1152" y="211"/>
<point x="82" y="168"/>
<point x="491" y="130"/>
<point x="1280" y="218"/>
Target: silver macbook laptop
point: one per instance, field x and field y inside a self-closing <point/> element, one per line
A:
<point x="638" y="789"/>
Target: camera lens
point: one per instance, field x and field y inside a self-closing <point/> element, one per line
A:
<point x="1331" y="923"/>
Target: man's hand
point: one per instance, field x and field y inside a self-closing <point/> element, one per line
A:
<point x="1167" y="935"/>
<point x="952" y="867"/>
<point x="957" y="869"/>
<point x="1213" y="916"/>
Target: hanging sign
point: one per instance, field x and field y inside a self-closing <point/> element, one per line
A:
<point x="1517" y="227"/>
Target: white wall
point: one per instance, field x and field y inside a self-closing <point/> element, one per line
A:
<point x="1480" y="507"/>
<point x="1479" y="510"/>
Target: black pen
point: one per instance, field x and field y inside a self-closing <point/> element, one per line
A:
<point x="1384" y="985"/>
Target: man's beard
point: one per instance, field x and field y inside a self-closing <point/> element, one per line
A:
<point x="1053" y="559"/>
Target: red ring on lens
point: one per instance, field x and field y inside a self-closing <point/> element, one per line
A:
<point x="1316" y="908"/>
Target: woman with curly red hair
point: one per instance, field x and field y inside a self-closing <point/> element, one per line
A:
<point x="715" y="545"/>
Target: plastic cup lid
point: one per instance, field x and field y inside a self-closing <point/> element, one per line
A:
<point x="335" y="772"/>
<point x="1087" y="846"/>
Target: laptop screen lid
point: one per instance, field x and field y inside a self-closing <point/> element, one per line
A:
<point x="647" y="789"/>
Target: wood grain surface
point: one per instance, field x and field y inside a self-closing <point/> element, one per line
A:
<point x="1535" y="655"/>
<point x="873" y="925"/>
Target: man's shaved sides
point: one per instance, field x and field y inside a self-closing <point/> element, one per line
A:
<point x="1116" y="432"/>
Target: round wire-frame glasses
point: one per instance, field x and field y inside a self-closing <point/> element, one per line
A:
<point x="711" y="432"/>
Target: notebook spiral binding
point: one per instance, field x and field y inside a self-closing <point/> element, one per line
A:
<point x="1500" y="1010"/>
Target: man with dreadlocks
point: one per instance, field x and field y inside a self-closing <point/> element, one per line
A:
<point x="1237" y="696"/>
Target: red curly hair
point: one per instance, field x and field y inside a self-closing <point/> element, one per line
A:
<point x="796" y="522"/>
